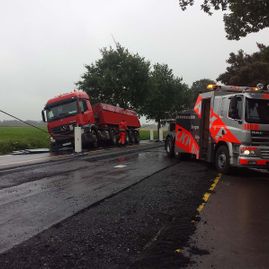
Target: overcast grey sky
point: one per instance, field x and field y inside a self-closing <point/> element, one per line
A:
<point x="45" y="44"/>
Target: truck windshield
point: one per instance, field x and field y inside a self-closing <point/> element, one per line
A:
<point x="257" y="111"/>
<point x="58" y="111"/>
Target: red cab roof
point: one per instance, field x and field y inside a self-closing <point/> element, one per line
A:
<point x="76" y="93"/>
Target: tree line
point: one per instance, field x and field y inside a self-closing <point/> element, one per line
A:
<point x="122" y="78"/>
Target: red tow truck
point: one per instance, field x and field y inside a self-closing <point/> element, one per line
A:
<point x="229" y="126"/>
<point x="99" y="123"/>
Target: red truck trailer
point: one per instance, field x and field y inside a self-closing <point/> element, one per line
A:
<point x="99" y="123"/>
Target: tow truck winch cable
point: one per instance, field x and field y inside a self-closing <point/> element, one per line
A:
<point x="25" y="122"/>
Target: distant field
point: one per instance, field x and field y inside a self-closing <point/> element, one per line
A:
<point x="17" y="138"/>
<point x="145" y="134"/>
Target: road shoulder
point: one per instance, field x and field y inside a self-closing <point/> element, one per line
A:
<point x="233" y="231"/>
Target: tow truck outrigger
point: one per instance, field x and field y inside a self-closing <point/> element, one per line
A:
<point x="229" y="126"/>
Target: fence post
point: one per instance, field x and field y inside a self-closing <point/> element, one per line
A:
<point x="77" y="138"/>
<point x="151" y="135"/>
<point x="161" y="134"/>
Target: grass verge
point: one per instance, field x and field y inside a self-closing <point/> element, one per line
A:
<point x="18" y="138"/>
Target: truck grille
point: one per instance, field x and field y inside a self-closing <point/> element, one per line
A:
<point x="260" y="137"/>
<point x="265" y="153"/>
<point x="64" y="129"/>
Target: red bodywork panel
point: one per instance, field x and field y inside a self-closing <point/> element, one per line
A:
<point x="185" y="141"/>
<point x="265" y="96"/>
<point x="219" y="130"/>
<point x="113" y="115"/>
<point x="258" y="162"/>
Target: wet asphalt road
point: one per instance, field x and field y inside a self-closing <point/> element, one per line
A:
<point x="55" y="193"/>
<point x="134" y="207"/>
<point x="133" y="210"/>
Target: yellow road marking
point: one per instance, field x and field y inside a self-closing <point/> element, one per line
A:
<point x="207" y="194"/>
<point x="201" y="207"/>
<point x="215" y="182"/>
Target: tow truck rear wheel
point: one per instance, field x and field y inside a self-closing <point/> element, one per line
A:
<point x="170" y="146"/>
<point x="222" y="161"/>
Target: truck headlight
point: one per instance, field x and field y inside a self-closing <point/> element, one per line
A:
<point x="248" y="151"/>
<point x="52" y="140"/>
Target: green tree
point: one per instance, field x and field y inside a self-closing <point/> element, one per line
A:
<point x="119" y="77"/>
<point x="166" y="96"/>
<point x="243" y="17"/>
<point x="197" y="87"/>
<point x="247" y="70"/>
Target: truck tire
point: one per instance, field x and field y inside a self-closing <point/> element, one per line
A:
<point x="136" y="137"/>
<point x="170" y="147"/>
<point x="222" y="160"/>
<point x="114" y="138"/>
<point x="100" y="141"/>
<point x="131" y="137"/>
<point x="127" y="139"/>
<point x="95" y="139"/>
<point x="54" y="147"/>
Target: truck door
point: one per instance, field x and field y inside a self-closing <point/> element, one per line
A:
<point x="235" y="117"/>
<point x="204" y="129"/>
<point x="86" y="112"/>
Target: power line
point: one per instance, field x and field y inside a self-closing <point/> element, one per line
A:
<point x="25" y="122"/>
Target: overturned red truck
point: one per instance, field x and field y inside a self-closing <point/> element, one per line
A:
<point x="99" y="123"/>
<point x="229" y="126"/>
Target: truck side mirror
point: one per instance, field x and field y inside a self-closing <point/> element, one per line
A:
<point x="43" y="116"/>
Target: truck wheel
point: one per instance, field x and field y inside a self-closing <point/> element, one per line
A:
<point x="136" y="137"/>
<point x="100" y="141"/>
<point x="131" y="137"/>
<point x="114" y="138"/>
<point x="54" y="147"/>
<point x="222" y="161"/>
<point x="95" y="139"/>
<point x="170" y="147"/>
<point x="127" y="139"/>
